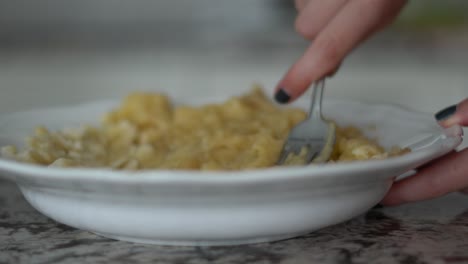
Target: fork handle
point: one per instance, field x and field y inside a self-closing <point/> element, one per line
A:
<point x="315" y="110"/>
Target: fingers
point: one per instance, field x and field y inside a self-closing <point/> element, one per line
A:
<point x="456" y="114"/>
<point x="440" y="177"/>
<point x="446" y="175"/>
<point x="315" y="15"/>
<point x="351" y="25"/>
<point x="300" y="4"/>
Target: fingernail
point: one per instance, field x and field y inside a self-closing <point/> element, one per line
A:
<point x="446" y="113"/>
<point x="378" y="206"/>
<point x="282" y="97"/>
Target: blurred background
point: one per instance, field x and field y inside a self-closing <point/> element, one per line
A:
<point x="55" y="52"/>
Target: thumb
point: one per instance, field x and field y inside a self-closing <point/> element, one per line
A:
<point x="455" y="114"/>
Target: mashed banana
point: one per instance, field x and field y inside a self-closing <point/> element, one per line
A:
<point x="148" y="132"/>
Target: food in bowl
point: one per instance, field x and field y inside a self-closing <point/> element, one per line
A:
<point x="148" y="132"/>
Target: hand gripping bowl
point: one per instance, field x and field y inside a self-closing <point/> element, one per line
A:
<point x="221" y="208"/>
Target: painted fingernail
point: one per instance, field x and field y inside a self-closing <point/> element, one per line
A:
<point x="378" y="206"/>
<point x="282" y="97"/>
<point x="446" y="113"/>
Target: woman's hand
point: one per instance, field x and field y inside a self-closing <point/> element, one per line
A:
<point x="336" y="28"/>
<point x="445" y="175"/>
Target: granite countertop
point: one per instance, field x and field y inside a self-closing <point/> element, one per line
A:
<point x="429" y="232"/>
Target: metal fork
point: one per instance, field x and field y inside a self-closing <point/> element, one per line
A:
<point x="313" y="139"/>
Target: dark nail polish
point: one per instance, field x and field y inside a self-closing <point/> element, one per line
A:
<point x="446" y="113"/>
<point x="282" y="97"/>
<point x="378" y="206"/>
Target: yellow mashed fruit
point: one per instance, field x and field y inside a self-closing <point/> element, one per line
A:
<point x="148" y="132"/>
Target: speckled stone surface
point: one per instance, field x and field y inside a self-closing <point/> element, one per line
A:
<point x="429" y="232"/>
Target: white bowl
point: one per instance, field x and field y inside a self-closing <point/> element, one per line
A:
<point x="221" y="208"/>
